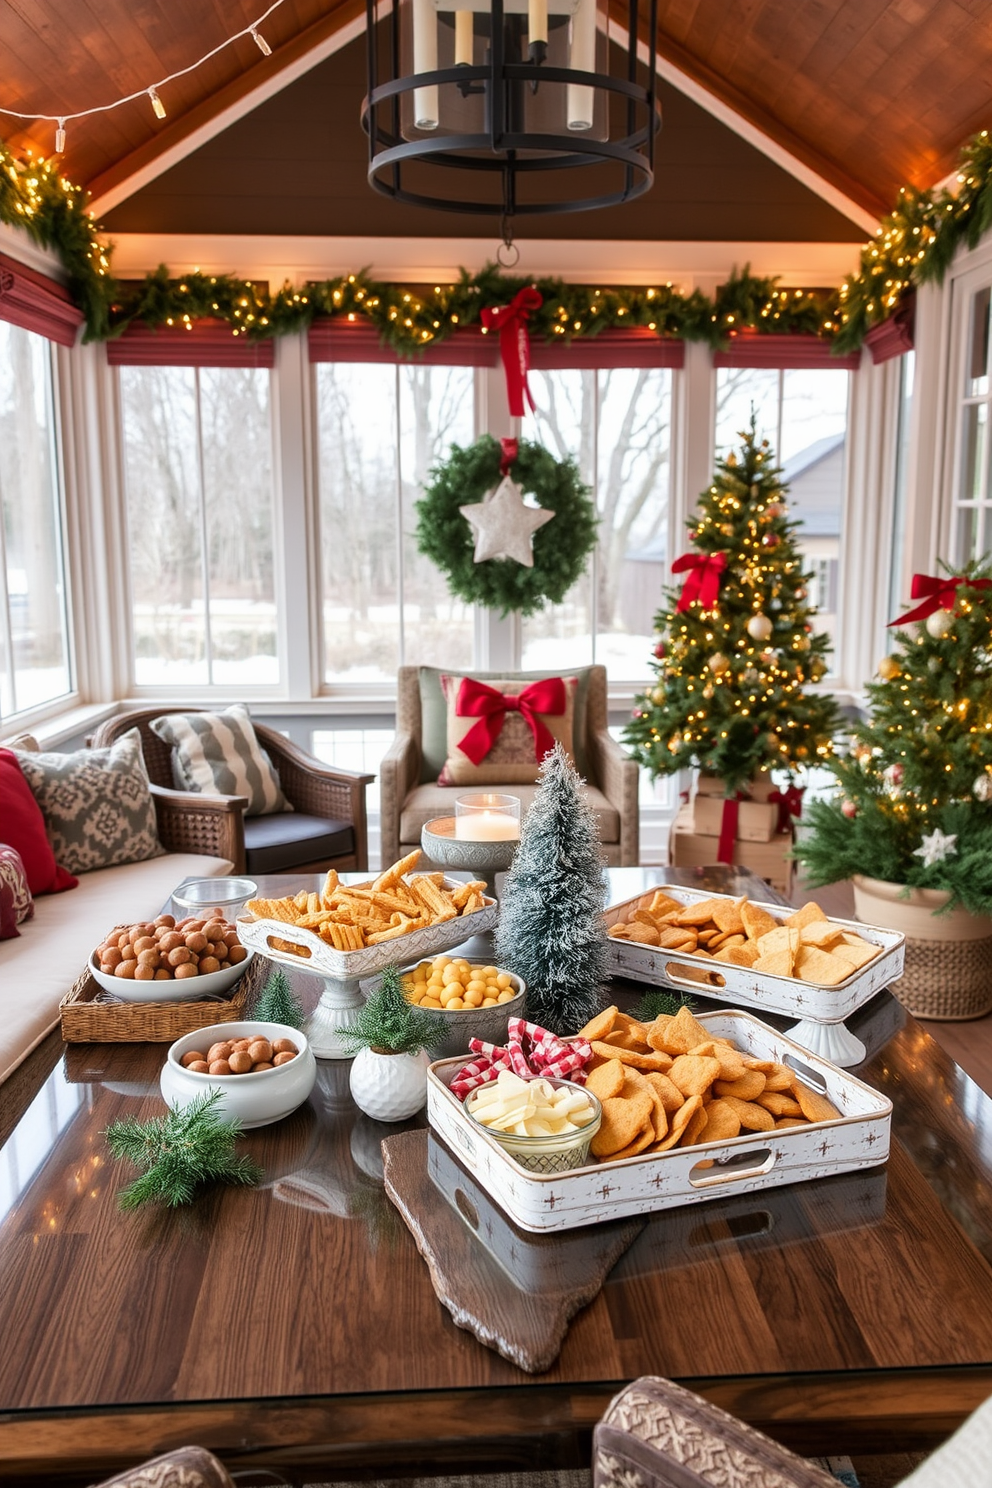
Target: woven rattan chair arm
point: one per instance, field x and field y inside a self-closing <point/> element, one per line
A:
<point x="192" y="823"/>
<point x="618" y="777"/>
<point x="397" y="777"/>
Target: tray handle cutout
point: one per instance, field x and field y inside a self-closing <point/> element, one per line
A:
<point x="738" y="1226"/>
<point x="808" y="1076"/>
<point x="303" y="951"/>
<point x="467" y="1209"/>
<point x="683" y="977"/>
<point x="735" y="1169"/>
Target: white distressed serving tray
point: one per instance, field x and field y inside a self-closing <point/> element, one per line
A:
<point x="857" y="1139"/>
<point x="740" y="984"/>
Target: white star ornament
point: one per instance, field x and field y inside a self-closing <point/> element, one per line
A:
<point x="936" y="847"/>
<point x="505" y="525"/>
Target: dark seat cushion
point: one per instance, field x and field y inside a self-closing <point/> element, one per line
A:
<point x="287" y="839"/>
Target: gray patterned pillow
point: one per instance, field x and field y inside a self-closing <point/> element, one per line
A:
<point x="219" y="754"/>
<point x="97" y="804"/>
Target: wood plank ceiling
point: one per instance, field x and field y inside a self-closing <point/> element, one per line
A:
<point x="871" y="93"/>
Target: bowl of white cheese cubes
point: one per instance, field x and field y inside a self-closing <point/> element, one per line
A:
<point x="547" y="1125"/>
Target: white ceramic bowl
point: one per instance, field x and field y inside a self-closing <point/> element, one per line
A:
<point x="185" y="989"/>
<point x="256" y="1099"/>
<point x="461" y="1024"/>
<point x="225" y="895"/>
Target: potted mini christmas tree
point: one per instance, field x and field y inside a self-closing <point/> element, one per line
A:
<point x="911" y="822"/>
<point x="736" y="646"/>
<point x="390" y="1040"/>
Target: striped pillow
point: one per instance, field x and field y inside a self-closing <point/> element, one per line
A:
<point x="219" y="754"/>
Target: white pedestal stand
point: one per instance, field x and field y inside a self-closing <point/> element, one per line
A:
<point x="833" y="1041"/>
<point x="339" y="1002"/>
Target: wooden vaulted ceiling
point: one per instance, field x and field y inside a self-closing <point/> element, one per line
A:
<point x="870" y="94"/>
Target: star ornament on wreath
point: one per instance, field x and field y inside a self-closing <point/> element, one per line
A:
<point x="493" y="546"/>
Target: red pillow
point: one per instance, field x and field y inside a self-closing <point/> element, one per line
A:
<point x="23" y="827"/>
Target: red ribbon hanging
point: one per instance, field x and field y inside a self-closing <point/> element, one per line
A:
<point x="509" y="450"/>
<point x="790" y="803"/>
<point x="702" y="572"/>
<point x="937" y="594"/>
<point x="514" y="346"/>
<point x="476" y="700"/>
<point x="728" y="829"/>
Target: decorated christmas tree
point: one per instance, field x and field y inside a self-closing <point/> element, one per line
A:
<point x="736" y="645"/>
<point x="914" y="798"/>
<point x="551" y="929"/>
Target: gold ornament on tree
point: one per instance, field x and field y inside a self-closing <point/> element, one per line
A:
<point x="759" y="627"/>
<point x="888" y="668"/>
<point x="718" y="664"/>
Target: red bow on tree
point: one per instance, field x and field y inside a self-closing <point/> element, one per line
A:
<point x="514" y="346"/>
<point x="790" y="803"/>
<point x="476" y="700"/>
<point x="703" y="581"/>
<point x="937" y="594"/>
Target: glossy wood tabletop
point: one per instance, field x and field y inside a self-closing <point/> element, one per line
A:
<point x="855" y="1307"/>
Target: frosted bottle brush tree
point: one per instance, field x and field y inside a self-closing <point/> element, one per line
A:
<point x="551" y="929"/>
<point x="735" y="644"/>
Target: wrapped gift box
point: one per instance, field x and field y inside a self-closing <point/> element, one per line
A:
<point x="688" y="848"/>
<point x="757" y="817"/>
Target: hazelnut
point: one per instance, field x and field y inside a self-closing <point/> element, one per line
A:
<point x="284" y="1057"/>
<point x="187" y="969"/>
<point x="191" y="1056"/>
<point x="219" y="1067"/>
<point x="208" y="964"/>
<point x="240" y="1062"/>
<point x="180" y="956"/>
<point x="200" y="1067"/>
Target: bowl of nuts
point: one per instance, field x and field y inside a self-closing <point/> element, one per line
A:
<point x="263" y="1070"/>
<point x="473" y="999"/>
<point x="170" y="960"/>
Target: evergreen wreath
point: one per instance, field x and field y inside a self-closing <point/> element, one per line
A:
<point x="561" y="547"/>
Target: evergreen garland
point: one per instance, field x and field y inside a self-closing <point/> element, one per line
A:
<point x="278" y="1003"/>
<point x="388" y="1022"/>
<point x="921" y="763"/>
<point x="914" y="245"/>
<point x="550" y="929"/>
<point x="179" y="1153"/>
<point x="561" y="547"/>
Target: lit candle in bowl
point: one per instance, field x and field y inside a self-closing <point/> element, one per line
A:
<point x="487" y="817"/>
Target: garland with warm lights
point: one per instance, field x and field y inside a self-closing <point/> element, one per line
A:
<point x="914" y="244"/>
<point x="561" y="547"/>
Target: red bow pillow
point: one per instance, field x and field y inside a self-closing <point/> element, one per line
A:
<point x="500" y="731"/>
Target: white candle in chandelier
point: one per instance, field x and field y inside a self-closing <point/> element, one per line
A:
<point x="582" y="58"/>
<point x="425" y="60"/>
<point x="487" y="817"/>
<point x="537" y="21"/>
<point x="464" y="38"/>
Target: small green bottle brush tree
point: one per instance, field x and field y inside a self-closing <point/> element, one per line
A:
<point x="914" y="793"/>
<point x="736" y="644"/>
<point x="388" y="1024"/>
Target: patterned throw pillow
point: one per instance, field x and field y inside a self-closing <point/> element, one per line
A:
<point x="97" y="804"/>
<point x="219" y="754"/>
<point x="477" y="711"/>
<point x="16" y="904"/>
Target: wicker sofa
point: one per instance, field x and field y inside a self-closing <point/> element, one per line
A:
<point x="410" y="795"/>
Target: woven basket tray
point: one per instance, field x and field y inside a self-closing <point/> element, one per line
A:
<point x="948" y="981"/>
<point x="87" y="1021"/>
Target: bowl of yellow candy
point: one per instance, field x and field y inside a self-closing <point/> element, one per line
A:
<point x="475" y="1000"/>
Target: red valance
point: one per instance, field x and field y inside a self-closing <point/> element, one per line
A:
<point x="893" y="337"/>
<point x="208" y="343"/>
<point x="36" y="303"/>
<point x="333" y="339"/>
<point x="636" y="347"/>
<point x="752" y="349"/>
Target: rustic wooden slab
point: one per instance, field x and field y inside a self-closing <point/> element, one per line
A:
<point x="517" y="1293"/>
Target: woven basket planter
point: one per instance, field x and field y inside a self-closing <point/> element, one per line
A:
<point x="948" y="975"/>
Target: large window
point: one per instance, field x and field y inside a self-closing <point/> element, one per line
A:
<point x="34" y="636"/>
<point x="381" y="428"/>
<point x="973" y="503"/>
<point x="803" y="415"/>
<point x="617" y="424"/>
<point x="198" y="473"/>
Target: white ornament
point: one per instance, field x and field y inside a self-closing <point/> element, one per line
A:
<point x="939" y="623"/>
<point x="759" y="627"/>
<point x="936" y="847"/>
<point x="982" y="788"/>
<point x="505" y="525"/>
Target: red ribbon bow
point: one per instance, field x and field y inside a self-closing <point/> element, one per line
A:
<point x="728" y="828"/>
<point x="790" y="803"/>
<point x="514" y="346"/>
<point x="937" y="594"/>
<point x="703" y="581"/>
<point x="476" y="700"/>
<point x="509" y="449"/>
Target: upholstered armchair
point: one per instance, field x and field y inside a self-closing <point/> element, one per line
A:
<point x="327" y="827"/>
<point x="410" y="795"/>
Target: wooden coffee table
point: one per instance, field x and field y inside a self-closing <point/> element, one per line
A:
<point x="295" y="1324"/>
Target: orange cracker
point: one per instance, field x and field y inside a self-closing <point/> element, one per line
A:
<point x="821" y="967"/>
<point x="631" y="1057"/>
<point x="698" y="914"/>
<point x="745" y="955"/>
<point x="722" y="1123"/>
<point x="693" y="1129"/>
<point x="806" y="916"/>
<point x="599" y="1026"/>
<point x="748" y="1087"/>
<point x="670" y="1095"/>
<point x="623" y="1118"/>
<point x="663" y="903"/>
<point x="820" y="933"/>
<point x="778" y="1103"/>
<point x="727" y="916"/>
<point x="753" y="1118"/>
<point x="634" y="1149"/>
<point x="694" y="1073"/>
<point x="814" y="1106"/>
<point x="756" y="922"/>
<point x="679" y="1122"/>
<point x="644" y="934"/>
<point x="684" y="1033"/>
<point x="606" y="1080"/>
<point x="779" y="963"/>
<point x="857" y="953"/>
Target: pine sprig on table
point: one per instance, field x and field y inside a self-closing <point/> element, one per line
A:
<point x="278" y="1003"/>
<point x="387" y="1021"/>
<point x="191" y="1146"/>
<point x="661" y="1004"/>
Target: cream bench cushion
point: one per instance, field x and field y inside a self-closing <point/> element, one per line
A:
<point x="39" y="967"/>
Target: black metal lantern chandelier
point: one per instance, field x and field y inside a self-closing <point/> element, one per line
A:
<point x="510" y="107"/>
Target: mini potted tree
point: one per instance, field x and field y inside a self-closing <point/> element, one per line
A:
<point x="911" y="821"/>
<point x="389" y="1073"/>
